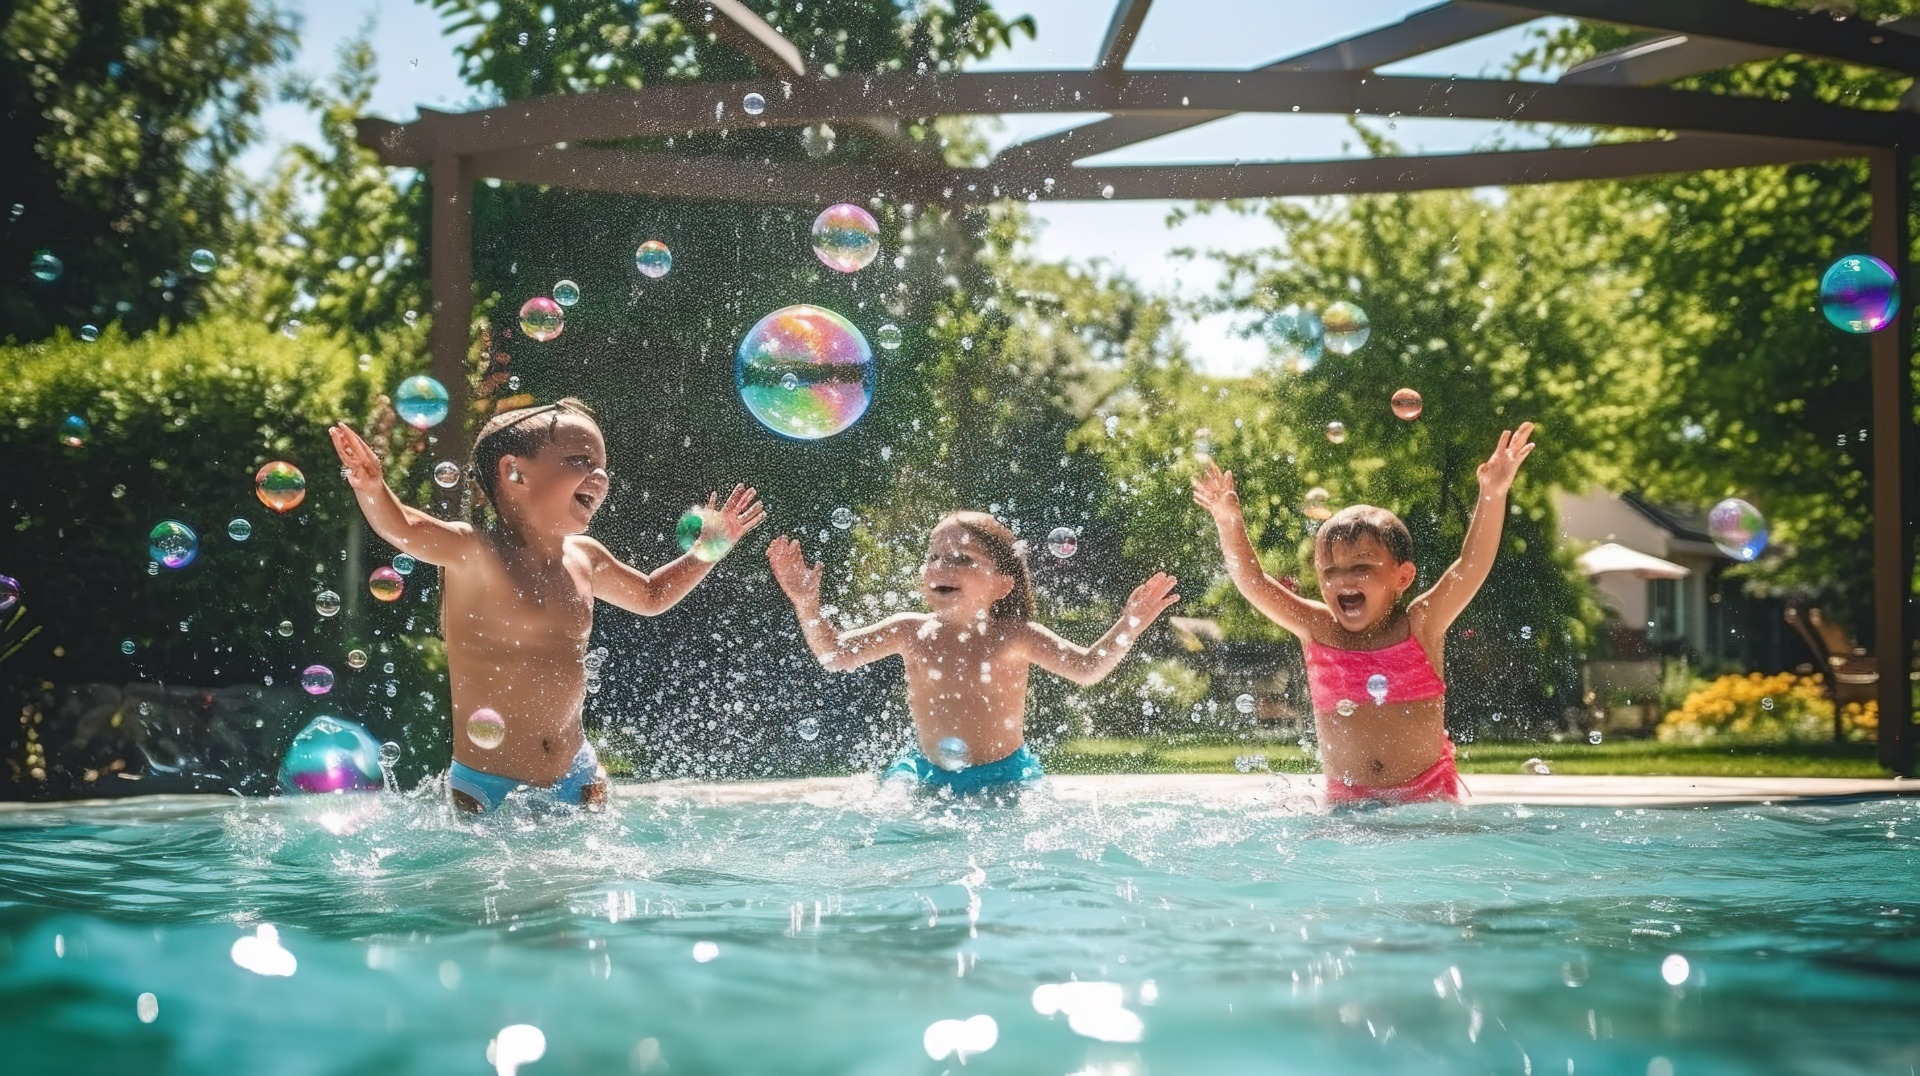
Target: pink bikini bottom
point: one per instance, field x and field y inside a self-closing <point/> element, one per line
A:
<point x="1439" y="781"/>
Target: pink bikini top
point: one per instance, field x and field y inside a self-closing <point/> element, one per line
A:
<point x="1397" y="673"/>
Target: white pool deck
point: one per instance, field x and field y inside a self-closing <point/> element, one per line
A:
<point x="1229" y="789"/>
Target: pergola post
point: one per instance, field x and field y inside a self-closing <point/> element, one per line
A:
<point x="451" y="280"/>
<point x="1893" y="443"/>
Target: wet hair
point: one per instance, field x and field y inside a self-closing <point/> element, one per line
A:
<point x="1009" y="555"/>
<point x="523" y="431"/>
<point x="1358" y="521"/>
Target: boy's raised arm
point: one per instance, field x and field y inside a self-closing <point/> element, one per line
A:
<point x="1213" y="490"/>
<point x="1437" y="609"/>
<point x="837" y="651"/>
<point x="649" y="594"/>
<point x="1086" y="665"/>
<point x="413" y="532"/>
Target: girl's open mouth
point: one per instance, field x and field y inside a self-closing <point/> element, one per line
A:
<point x="1350" y="602"/>
<point x="585" y="500"/>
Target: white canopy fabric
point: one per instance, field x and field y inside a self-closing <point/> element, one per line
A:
<point x="1614" y="557"/>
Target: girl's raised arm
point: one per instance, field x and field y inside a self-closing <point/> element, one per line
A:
<point x="1437" y="609"/>
<point x="1086" y="665"/>
<point x="837" y="651"/>
<point x="1213" y="490"/>
<point x="411" y="531"/>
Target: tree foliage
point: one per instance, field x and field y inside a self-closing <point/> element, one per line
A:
<point x="120" y="126"/>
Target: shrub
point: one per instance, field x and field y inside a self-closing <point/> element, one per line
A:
<point x="179" y="423"/>
<point x="1760" y="707"/>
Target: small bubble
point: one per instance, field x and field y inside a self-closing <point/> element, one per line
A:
<point x="1594" y="737"/>
<point x="285" y="629"/>
<point x="1244" y="703"/>
<point x="356" y="659"/>
<point x="843" y="517"/>
<point x="126" y="646"/>
<point x="808" y="729"/>
<point x="89" y="333"/>
<point x="753" y="104"/>
<point x="202" y="261"/>
<point x="326" y="603"/>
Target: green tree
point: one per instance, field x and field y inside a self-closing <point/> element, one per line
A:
<point x="120" y="125"/>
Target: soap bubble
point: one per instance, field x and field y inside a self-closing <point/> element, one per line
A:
<point x="1859" y="294"/>
<point x="1344" y="328"/>
<point x="173" y="544"/>
<point x="753" y="104"/>
<point x="356" y="659"/>
<point x="386" y="584"/>
<point x="202" y="261"/>
<point x="403" y="564"/>
<point x="126" y="645"/>
<point x="1337" y="432"/>
<point x="1346" y="707"/>
<point x="566" y="293"/>
<point x="280" y="486"/>
<point x="805" y="372"/>
<point x="1737" y="528"/>
<point x="285" y="629"/>
<point x="486" y="728"/>
<point x="1377" y="688"/>
<point x="817" y="140"/>
<point x="1244" y="704"/>
<point x="9" y="592"/>
<point x="541" y="318"/>
<point x="239" y="530"/>
<point x="1594" y="737"/>
<point x="704" y="533"/>
<point x="888" y="336"/>
<point x="331" y="755"/>
<point x="290" y="328"/>
<point x="843" y="517"/>
<point x="1314" y="504"/>
<point x="446" y="474"/>
<point x="653" y="259"/>
<point x="1407" y="405"/>
<point x="89" y="333"/>
<point x="74" y="431"/>
<point x="326" y="603"/>
<point x="421" y="402"/>
<point x="316" y="679"/>
<point x="47" y="267"/>
<point x="808" y="728"/>
<point x="952" y="754"/>
<point x="1062" y="542"/>
<point x="1298" y="338"/>
<point x="845" y="237"/>
<point x="1202" y="443"/>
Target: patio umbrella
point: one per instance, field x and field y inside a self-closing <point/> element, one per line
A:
<point x="1614" y="557"/>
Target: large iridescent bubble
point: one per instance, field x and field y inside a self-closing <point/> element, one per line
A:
<point x="1737" y="528"/>
<point x="1860" y="294"/>
<point x="421" y="402"/>
<point x="173" y="543"/>
<point x="331" y="755"/>
<point x="1345" y="328"/>
<point x="1299" y="339"/>
<point x="280" y="486"/>
<point x="805" y="372"/>
<point x="541" y="318"/>
<point x="9" y="592"/>
<point x="653" y="259"/>
<point x="846" y="237"/>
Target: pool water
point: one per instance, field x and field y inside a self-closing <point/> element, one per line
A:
<point x="836" y="937"/>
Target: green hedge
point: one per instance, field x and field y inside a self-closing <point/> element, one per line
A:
<point x="180" y="421"/>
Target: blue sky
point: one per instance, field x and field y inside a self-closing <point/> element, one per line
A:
<point x="417" y="67"/>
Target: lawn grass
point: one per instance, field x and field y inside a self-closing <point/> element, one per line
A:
<point x="1623" y="757"/>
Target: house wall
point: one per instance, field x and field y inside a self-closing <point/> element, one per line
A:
<point x="1599" y="516"/>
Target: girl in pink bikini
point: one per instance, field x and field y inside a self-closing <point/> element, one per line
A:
<point x="1375" y="665"/>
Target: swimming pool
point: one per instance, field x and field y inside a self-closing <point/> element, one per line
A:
<point x="835" y="934"/>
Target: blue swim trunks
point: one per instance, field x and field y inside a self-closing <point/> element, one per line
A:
<point x="1018" y="770"/>
<point x="490" y="790"/>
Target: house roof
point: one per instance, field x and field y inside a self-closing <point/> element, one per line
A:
<point x="1684" y="523"/>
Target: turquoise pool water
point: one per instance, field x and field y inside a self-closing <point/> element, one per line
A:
<point x="833" y="938"/>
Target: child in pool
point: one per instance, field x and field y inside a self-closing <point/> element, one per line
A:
<point x="966" y="660"/>
<point x="1374" y="665"/>
<point x="519" y="596"/>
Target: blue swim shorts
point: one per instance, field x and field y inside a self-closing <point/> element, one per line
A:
<point x="1017" y="770"/>
<point x="490" y="790"/>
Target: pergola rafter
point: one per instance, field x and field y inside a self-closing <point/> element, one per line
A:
<point x="571" y="141"/>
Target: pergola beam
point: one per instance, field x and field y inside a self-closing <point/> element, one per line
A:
<point x="747" y="33"/>
<point x="1121" y="33"/>
<point x="1421" y="32"/>
<point x="1663" y="60"/>
<point x="674" y="109"/>
<point x="1855" y="41"/>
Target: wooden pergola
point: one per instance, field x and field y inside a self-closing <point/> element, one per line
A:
<point x="550" y="141"/>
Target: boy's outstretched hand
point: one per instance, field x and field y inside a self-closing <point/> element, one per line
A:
<point x="1496" y="475"/>
<point x="1214" y="491"/>
<point x="1150" y="599"/>
<point x="741" y="513"/>
<point x="799" y="579"/>
<point x="363" y="467"/>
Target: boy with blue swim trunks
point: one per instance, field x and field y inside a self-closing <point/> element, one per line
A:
<point x="967" y="657"/>
<point x="519" y="595"/>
